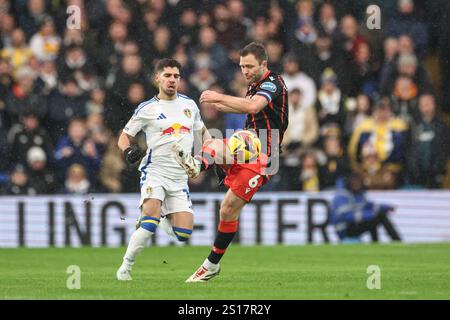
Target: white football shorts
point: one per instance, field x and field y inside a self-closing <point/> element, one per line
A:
<point x="174" y="195"/>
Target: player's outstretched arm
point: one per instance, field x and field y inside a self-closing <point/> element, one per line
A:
<point x="223" y="108"/>
<point x="242" y="105"/>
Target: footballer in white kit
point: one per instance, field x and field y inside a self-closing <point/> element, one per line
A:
<point x="166" y="119"/>
<point x="165" y="122"/>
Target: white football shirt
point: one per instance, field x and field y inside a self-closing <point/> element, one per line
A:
<point x="165" y="122"/>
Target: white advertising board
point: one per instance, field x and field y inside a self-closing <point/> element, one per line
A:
<point x="290" y="218"/>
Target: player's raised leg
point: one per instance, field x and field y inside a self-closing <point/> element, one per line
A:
<point x="148" y="223"/>
<point x="229" y="213"/>
<point x="213" y="152"/>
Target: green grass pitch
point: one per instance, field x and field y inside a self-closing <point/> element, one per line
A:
<point x="248" y="272"/>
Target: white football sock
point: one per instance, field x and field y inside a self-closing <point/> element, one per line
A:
<point x="137" y="242"/>
<point x="209" y="265"/>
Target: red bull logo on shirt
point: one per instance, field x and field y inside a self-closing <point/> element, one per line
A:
<point x="176" y="129"/>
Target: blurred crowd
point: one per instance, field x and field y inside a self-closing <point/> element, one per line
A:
<point x="360" y="100"/>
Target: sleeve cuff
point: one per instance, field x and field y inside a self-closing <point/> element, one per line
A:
<point x="265" y="95"/>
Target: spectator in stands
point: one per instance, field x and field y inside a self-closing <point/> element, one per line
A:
<point x="19" y="53"/>
<point x="180" y="54"/>
<point x="333" y="160"/>
<point x="353" y="215"/>
<point x="6" y="82"/>
<point x="430" y="146"/>
<point x="227" y="32"/>
<point x="111" y="50"/>
<point x="111" y="169"/>
<point x="303" y="129"/>
<point x="77" y="181"/>
<point x="294" y="78"/>
<point x="187" y="89"/>
<point x="305" y="31"/>
<point x="404" y="99"/>
<point x="34" y="65"/>
<point x="275" y="23"/>
<point x="330" y="101"/>
<point x="310" y="172"/>
<point x="305" y="10"/>
<point x="327" y="20"/>
<point x="77" y="147"/>
<point x="275" y="52"/>
<point x="131" y="71"/>
<point x="85" y="38"/>
<point x="299" y="137"/>
<point x="217" y="54"/>
<point x="443" y="51"/>
<point x="323" y="55"/>
<point x="406" y="23"/>
<point x="350" y="37"/>
<point x="159" y="47"/>
<point x="73" y="37"/>
<point x="239" y="20"/>
<point x="98" y="132"/>
<point x="364" y="71"/>
<point x="260" y="30"/>
<point x="19" y="183"/>
<point x="47" y="79"/>
<point x="45" y="43"/>
<point x="391" y="48"/>
<point x="358" y="110"/>
<point x="187" y="33"/>
<point x="162" y="9"/>
<point x="150" y="21"/>
<point x="96" y="102"/>
<point x="65" y="103"/>
<point x="5" y="149"/>
<point x="117" y="10"/>
<point x="202" y="78"/>
<point x="24" y="96"/>
<point x="386" y="133"/>
<point x="33" y="15"/>
<point x="375" y="174"/>
<point x="406" y="45"/>
<point x="75" y="62"/>
<point x="7" y="26"/>
<point x="26" y="134"/>
<point x="117" y="113"/>
<point x="42" y="178"/>
<point x="405" y="65"/>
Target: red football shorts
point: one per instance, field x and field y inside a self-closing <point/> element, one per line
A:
<point x="245" y="179"/>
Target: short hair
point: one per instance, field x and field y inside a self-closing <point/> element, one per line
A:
<point x="257" y="49"/>
<point x="383" y="102"/>
<point x="167" y="62"/>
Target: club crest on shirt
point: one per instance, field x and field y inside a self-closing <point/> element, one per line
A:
<point x="187" y="113"/>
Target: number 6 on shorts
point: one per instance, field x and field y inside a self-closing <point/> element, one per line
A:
<point x="253" y="182"/>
